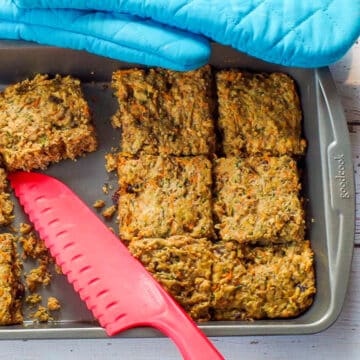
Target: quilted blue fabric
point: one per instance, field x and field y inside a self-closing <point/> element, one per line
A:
<point x="290" y="32"/>
<point x="120" y="36"/>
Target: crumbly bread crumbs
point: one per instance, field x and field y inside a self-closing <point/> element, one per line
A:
<point x="33" y="299"/>
<point x="183" y="266"/>
<point x="110" y="162"/>
<point x="34" y="247"/>
<point x="109" y="212"/>
<point x="11" y="289"/>
<point x="105" y="189"/>
<point x="53" y="304"/>
<point x="257" y="199"/>
<point x="259" y="113"/>
<point x="164" y="112"/>
<point x="25" y="228"/>
<point x="37" y="277"/>
<point x="164" y="196"/>
<point x="42" y="121"/>
<point x="41" y="315"/>
<point x="98" y="204"/>
<point x="6" y="205"/>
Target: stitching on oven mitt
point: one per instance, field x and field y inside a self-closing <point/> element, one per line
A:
<point x="288" y="32"/>
<point x="119" y="36"/>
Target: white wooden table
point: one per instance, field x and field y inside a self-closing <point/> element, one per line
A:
<point x="341" y="341"/>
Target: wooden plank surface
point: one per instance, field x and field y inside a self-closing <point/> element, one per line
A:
<point x="341" y="341"/>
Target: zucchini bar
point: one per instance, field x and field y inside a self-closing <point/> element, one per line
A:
<point x="44" y="120"/>
<point x="6" y="205"/>
<point x="163" y="112"/>
<point x="262" y="282"/>
<point x="257" y="200"/>
<point x="182" y="265"/>
<point x="259" y="113"/>
<point x="11" y="289"/>
<point x="164" y="196"/>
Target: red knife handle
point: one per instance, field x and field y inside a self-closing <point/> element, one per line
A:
<point x="114" y="285"/>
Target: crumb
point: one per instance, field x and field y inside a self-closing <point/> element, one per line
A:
<point x="109" y="212"/>
<point x="111" y="162"/>
<point x="111" y="229"/>
<point x="53" y="304"/>
<point x="25" y="228"/>
<point x="98" y="204"/>
<point x="33" y="299"/>
<point x="33" y="246"/>
<point x="41" y="315"/>
<point x="105" y="189"/>
<point x="37" y="276"/>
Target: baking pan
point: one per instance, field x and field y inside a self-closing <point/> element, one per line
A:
<point x="328" y="186"/>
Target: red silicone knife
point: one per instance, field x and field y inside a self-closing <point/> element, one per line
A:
<point x="115" y="286"/>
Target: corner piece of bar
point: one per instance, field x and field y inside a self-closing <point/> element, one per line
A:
<point x="44" y="120"/>
<point x="259" y="113"/>
<point x="259" y="282"/>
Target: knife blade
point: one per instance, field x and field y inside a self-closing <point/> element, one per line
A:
<point x="114" y="285"/>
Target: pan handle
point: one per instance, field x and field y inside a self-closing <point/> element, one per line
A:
<point x="338" y="178"/>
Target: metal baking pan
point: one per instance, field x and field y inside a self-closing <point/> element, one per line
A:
<point x="328" y="184"/>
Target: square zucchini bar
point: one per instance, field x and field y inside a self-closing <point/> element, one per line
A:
<point x="262" y="282"/>
<point x="6" y="205"/>
<point x="257" y="199"/>
<point x="44" y="120"/>
<point x="164" y="196"/>
<point x="259" y="113"/>
<point x="182" y="265"/>
<point x="10" y="286"/>
<point x="163" y="112"/>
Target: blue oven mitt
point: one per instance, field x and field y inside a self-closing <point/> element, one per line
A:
<point x="289" y="32"/>
<point x="119" y="36"/>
